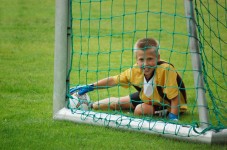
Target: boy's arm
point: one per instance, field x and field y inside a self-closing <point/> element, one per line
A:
<point x="174" y="105"/>
<point x="173" y="115"/>
<point x="104" y="83"/>
<point x="101" y="84"/>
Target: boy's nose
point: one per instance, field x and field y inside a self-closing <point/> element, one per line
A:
<point x="145" y="63"/>
<point x="144" y="66"/>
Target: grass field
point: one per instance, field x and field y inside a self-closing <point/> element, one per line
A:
<point x="26" y="85"/>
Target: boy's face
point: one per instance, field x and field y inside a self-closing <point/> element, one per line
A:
<point x="147" y="60"/>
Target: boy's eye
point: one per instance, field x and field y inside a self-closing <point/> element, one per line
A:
<point x="149" y="59"/>
<point x="141" y="59"/>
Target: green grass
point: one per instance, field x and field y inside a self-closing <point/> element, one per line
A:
<point x="26" y="85"/>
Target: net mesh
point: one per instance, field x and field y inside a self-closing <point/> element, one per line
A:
<point x="104" y="33"/>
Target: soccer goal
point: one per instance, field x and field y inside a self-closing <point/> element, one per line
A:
<point x="94" y="39"/>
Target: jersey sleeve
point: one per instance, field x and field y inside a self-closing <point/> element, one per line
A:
<point x="123" y="78"/>
<point x="168" y="80"/>
<point x="132" y="76"/>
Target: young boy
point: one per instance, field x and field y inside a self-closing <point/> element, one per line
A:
<point x="157" y="83"/>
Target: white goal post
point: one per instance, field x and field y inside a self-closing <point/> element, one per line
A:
<point x="61" y="78"/>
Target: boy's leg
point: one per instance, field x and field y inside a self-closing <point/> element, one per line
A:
<point x="144" y="109"/>
<point x="113" y="103"/>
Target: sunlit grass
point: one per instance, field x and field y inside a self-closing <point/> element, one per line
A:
<point x="26" y="85"/>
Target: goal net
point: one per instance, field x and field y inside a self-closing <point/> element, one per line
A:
<point x="99" y="44"/>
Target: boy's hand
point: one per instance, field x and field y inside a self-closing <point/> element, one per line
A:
<point x="173" y="117"/>
<point x="82" y="89"/>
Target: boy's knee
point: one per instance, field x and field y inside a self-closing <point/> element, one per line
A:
<point x="143" y="109"/>
<point x="138" y="110"/>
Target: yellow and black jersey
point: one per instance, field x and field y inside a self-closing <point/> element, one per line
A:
<point x="164" y="85"/>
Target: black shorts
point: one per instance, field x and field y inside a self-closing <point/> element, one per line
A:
<point x="135" y="99"/>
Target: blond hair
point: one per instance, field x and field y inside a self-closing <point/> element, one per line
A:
<point x="146" y="43"/>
